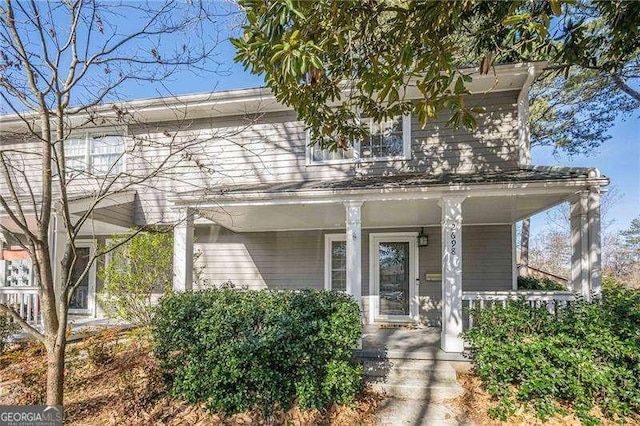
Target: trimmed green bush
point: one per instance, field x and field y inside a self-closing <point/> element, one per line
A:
<point x="257" y="350"/>
<point x="589" y="355"/>
<point x="545" y="284"/>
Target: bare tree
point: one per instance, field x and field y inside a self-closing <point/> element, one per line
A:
<point x="60" y="63"/>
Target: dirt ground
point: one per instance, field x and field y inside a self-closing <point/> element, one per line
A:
<point x="113" y="379"/>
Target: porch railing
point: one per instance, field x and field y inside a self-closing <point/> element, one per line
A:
<point x="481" y="299"/>
<point x="24" y="300"/>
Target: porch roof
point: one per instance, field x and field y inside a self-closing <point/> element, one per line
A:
<point x="389" y="201"/>
<point x="525" y="177"/>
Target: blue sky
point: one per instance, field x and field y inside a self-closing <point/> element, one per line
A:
<point x="617" y="158"/>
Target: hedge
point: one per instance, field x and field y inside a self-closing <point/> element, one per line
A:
<point x="544" y="284"/>
<point x="258" y="350"/>
<point x="589" y="355"/>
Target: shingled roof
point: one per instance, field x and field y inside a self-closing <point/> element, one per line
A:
<point x="410" y="180"/>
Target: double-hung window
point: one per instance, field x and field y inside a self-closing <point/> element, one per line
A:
<point x="335" y="262"/>
<point x="387" y="140"/>
<point x="95" y="153"/>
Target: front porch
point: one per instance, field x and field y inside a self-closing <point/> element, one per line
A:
<point x="269" y="236"/>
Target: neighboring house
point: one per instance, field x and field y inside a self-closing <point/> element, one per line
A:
<point x="410" y="221"/>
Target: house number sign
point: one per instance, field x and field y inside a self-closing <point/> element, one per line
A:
<point x="453" y="241"/>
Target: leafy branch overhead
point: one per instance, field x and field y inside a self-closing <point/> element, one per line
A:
<point x="333" y="61"/>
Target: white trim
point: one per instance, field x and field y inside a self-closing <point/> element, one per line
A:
<point x="524" y="131"/>
<point x="336" y="228"/>
<point x="567" y="188"/>
<point x="91" y="276"/>
<point x="414" y="273"/>
<point x="328" y="240"/>
<point x="357" y="157"/>
<point x="514" y="262"/>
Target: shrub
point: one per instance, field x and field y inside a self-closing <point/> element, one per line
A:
<point x="258" y="350"/>
<point x="588" y="355"/>
<point x="138" y="268"/>
<point x="7" y="328"/>
<point x="544" y="284"/>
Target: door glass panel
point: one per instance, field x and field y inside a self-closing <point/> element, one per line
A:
<point x="394" y="278"/>
<point x="80" y="297"/>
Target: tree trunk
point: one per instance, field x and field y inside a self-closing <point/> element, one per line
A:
<point x="524" y="247"/>
<point x="55" y="369"/>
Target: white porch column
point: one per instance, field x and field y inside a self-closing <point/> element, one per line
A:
<point x="595" y="256"/>
<point x="450" y="340"/>
<point x="183" y="251"/>
<point x="580" y="275"/>
<point x="354" y="249"/>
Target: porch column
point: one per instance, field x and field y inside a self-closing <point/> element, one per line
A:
<point x="580" y="245"/>
<point x="354" y="249"/>
<point x="183" y="251"/>
<point x="450" y="340"/>
<point x="595" y="256"/>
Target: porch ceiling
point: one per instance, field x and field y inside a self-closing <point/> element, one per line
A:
<point x="377" y="213"/>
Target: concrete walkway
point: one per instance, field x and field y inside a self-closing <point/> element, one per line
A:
<point x="416" y="376"/>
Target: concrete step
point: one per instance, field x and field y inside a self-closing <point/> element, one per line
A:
<point x="431" y="380"/>
<point x="428" y="392"/>
<point x="403" y="370"/>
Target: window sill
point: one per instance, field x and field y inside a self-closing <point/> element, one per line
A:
<point x="358" y="160"/>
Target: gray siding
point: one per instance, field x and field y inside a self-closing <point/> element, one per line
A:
<point x="295" y="259"/>
<point x="211" y="153"/>
<point x="272" y="147"/>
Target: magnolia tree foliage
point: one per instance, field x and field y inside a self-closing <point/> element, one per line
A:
<point x="334" y="60"/>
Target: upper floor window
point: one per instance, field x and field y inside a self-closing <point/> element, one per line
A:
<point x="388" y="140"/>
<point x="95" y="153"/>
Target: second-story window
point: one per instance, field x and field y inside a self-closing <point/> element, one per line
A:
<point x="95" y="153"/>
<point x="388" y="140"/>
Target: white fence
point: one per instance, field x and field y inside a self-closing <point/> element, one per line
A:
<point x="551" y="299"/>
<point x="24" y="300"/>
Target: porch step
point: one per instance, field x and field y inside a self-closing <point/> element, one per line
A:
<point x="420" y="354"/>
<point x="431" y="380"/>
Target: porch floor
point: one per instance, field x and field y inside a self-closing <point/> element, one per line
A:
<point x="384" y="342"/>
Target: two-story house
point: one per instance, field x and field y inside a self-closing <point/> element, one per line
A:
<point x="411" y="221"/>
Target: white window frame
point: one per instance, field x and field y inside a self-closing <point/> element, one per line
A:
<point x="91" y="275"/>
<point x="328" y="241"/>
<point x="357" y="158"/>
<point x="88" y="163"/>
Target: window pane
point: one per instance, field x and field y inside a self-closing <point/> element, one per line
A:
<point x="318" y="154"/>
<point x="385" y="140"/>
<point x="338" y="265"/>
<point x="80" y="297"/>
<point x="106" y="154"/>
<point x="107" y="144"/>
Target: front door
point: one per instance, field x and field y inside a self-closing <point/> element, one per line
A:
<point x="393" y="275"/>
<point x="83" y="298"/>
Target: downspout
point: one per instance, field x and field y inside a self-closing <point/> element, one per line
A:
<point x="524" y="150"/>
<point x="524" y="132"/>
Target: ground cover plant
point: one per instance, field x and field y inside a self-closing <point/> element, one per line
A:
<point x="239" y="350"/>
<point x="585" y="358"/>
